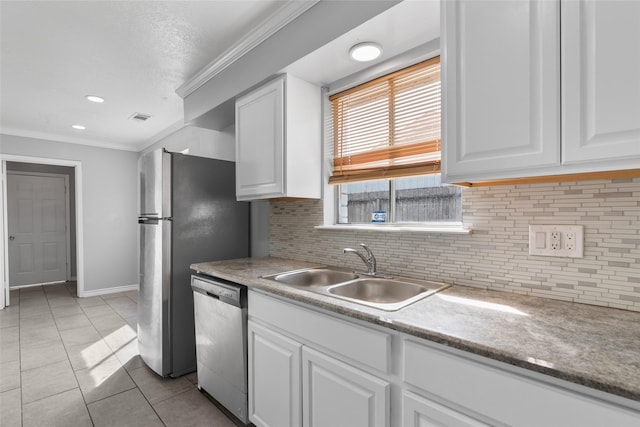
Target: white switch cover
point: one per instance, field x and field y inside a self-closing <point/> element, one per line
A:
<point x="556" y="240"/>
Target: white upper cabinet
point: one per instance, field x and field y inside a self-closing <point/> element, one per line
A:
<point x="278" y="141"/>
<point x="260" y="142"/>
<point x="510" y="67"/>
<point x="501" y="81"/>
<point x="601" y="81"/>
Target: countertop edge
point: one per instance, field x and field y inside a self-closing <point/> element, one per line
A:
<point x="456" y="343"/>
<point x="345" y="308"/>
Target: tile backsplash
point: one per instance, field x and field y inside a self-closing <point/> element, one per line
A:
<point x="495" y="255"/>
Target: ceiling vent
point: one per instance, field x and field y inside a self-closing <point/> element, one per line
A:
<point x="139" y="117"/>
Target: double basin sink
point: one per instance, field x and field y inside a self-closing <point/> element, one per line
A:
<point x="383" y="293"/>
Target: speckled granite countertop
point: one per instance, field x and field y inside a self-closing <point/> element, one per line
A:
<point x="594" y="346"/>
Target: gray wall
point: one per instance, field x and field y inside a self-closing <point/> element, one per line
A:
<point x="109" y="203"/>
<point x="60" y="170"/>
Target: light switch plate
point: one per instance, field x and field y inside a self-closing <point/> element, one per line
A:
<point x="556" y="240"/>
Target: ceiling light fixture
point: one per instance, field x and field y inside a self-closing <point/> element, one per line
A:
<point x="367" y="51"/>
<point x="78" y="127"/>
<point x="94" y="98"/>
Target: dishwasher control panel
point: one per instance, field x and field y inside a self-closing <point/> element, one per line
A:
<point x="230" y="293"/>
<point x="226" y="293"/>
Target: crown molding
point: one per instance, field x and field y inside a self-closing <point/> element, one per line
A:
<point x="65" y="139"/>
<point x="175" y="127"/>
<point x="281" y="17"/>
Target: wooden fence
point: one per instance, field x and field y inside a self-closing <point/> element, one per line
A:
<point x="412" y="205"/>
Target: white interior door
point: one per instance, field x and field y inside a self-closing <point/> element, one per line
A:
<point x="37" y="223"/>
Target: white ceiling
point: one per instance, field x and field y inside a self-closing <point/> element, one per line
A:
<point x="136" y="54"/>
<point x="132" y="53"/>
<point x="407" y="25"/>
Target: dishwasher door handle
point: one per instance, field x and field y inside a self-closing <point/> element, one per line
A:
<point x="213" y="295"/>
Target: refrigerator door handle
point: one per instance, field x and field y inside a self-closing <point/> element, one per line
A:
<point x="152" y="220"/>
<point x="145" y="220"/>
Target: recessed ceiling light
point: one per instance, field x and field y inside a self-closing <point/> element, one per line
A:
<point x="94" y="98"/>
<point x="367" y="51"/>
<point x="79" y="127"/>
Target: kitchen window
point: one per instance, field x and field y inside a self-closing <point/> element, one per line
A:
<point x="386" y="150"/>
<point x="419" y="199"/>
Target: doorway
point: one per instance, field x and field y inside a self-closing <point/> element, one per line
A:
<point x="74" y="246"/>
<point x="38" y="221"/>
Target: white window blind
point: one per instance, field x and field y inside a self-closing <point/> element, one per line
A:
<point x="388" y="127"/>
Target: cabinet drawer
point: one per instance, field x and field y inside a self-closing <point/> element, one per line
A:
<point x="504" y="396"/>
<point x="362" y="345"/>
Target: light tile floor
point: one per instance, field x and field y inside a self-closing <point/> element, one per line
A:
<point x="67" y="361"/>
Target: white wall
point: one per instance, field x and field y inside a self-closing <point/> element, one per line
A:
<point x="2" y="236"/>
<point x="220" y="145"/>
<point x="200" y="142"/>
<point x="109" y="206"/>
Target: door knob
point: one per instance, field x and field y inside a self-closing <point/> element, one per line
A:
<point x="12" y="237"/>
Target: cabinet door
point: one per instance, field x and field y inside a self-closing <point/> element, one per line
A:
<point x="420" y="412"/>
<point x="260" y="142"/>
<point x="601" y="80"/>
<point x="501" y="87"/>
<point x="274" y="378"/>
<point x="502" y="397"/>
<point x="339" y="395"/>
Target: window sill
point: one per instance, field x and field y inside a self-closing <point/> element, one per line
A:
<point x="446" y="229"/>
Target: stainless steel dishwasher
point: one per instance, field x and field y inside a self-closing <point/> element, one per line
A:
<point x="220" y="310"/>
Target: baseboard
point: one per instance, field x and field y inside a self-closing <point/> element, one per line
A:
<point x="107" y="291"/>
<point x="33" y="285"/>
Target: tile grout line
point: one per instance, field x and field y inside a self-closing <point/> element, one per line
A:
<point x="20" y="356"/>
<point x="120" y="308"/>
<point x="68" y="360"/>
<point x="73" y="370"/>
<point x="22" y="404"/>
<point x="86" y="405"/>
<point x="127" y="371"/>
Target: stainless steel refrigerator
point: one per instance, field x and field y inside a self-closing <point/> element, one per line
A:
<point x="188" y="214"/>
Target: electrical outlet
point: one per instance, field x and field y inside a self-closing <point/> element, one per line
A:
<point x="570" y="241"/>
<point x="556" y="240"/>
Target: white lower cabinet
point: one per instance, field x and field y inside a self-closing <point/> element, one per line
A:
<point x="336" y="394"/>
<point x="419" y="411"/>
<point x="274" y="378"/>
<point x="498" y="396"/>
<point x="302" y="370"/>
<point x="313" y="368"/>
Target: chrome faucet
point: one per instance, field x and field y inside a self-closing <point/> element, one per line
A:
<point x="369" y="260"/>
